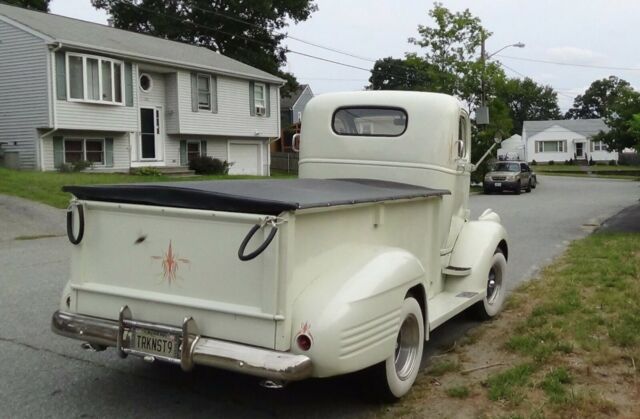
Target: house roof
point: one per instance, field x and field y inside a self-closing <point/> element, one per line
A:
<point x="288" y="102"/>
<point x="92" y="36"/>
<point x="584" y="127"/>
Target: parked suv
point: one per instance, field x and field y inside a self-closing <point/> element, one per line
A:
<point x="509" y="175"/>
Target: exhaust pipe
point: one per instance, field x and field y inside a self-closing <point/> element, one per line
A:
<point x="273" y="384"/>
<point x="92" y="347"/>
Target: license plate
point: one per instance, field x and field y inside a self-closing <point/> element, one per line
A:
<point x="155" y="343"/>
<point x="497" y="184"/>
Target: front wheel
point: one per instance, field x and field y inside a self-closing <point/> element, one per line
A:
<point x="394" y="376"/>
<point x="496" y="289"/>
<point x="529" y="186"/>
<point x="518" y="188"/>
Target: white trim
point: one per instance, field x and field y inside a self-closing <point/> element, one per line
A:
<point x="299" y="97"/>
<point x="208" y="76"/>
<point x="263" y="113"/>
<point x="85" y="92"/>
<point x="158" y="132"/>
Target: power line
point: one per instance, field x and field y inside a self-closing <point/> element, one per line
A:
<point x="241" y="36"/>
<point x="535" y="60"/>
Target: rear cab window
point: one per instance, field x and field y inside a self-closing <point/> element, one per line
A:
<point x="366" y="121"/>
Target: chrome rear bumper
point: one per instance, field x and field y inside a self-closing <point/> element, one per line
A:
<point x="199" y="350"/>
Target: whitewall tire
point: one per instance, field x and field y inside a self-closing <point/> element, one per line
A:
<point x="395" y="375"/>
<point x="496" y="287"/>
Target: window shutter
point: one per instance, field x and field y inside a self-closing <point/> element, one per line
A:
<point x="194" y="92"/>
<point x="108" y="152"/>
<point x="61" y="76"/>
<point x="128" y="84"/>
<point x="267" y="94"/>
<point x="252" y="101"/>
<point x="58" y="151"/>
<point x="214" y="94"/>
<point x="183" y="153"/>
<point x="203" y="148"/>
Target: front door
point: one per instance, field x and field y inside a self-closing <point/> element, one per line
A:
<point x="579" y="150"/>
<point x="150" y="128"/>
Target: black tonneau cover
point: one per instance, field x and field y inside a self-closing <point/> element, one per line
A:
<point x="269" y="197"/>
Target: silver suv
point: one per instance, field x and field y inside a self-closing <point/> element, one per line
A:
<point x="509" y="175"/>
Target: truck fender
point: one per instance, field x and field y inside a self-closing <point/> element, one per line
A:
<point x="474" y="248"/>
<point x="351" y="312"/>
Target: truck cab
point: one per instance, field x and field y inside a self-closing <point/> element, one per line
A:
<point x="347" y="268"/>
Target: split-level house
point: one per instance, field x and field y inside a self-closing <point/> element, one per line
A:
<point x="560" y="140"/>
<point x="73" y="90"/>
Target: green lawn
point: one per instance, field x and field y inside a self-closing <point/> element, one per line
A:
<point x="46" y="187"/>
<point x="541" y="168"/>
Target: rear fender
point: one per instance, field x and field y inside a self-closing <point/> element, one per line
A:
<point x="352" y="312"/>
<point x="474" y="249"/>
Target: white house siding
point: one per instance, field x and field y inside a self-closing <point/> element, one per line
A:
<point x="24" y="99"/>
<point x="120" y="149"/>
<point x="155" y="96"/>
<point x="233" y="117"/>
<point x="557" y="133"/>
<point x="216" y="147"/>
<point x="172" y="111"/>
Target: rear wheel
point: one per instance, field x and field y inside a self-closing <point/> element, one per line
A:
<point x="394" y="376"/>
<point x="496" y="288"/>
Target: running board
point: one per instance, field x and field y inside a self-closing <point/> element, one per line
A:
<point x="456" y="271"/>
<point x="445" y="305"/>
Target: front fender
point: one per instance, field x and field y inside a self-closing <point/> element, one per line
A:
<point x="352" y="312"/>
<point x="474" y="248"/>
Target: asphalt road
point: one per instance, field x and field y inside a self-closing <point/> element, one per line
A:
<point x="43" y="375"/>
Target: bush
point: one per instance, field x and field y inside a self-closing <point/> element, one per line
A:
<point x="78" y="166"/>
<point x="612" y="163"/>
<point x="534" y="163"/>
<point x="147" y="171"/>
<point x="551" y="162"/>
<point x="591" y="162"/>
<point x="205" y="165"/>
<point x="570" y="161"/>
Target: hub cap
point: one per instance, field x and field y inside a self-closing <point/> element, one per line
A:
<point x="494" y="285"/>
<point x="407" y="345"/>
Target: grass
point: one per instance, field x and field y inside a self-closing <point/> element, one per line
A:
<point x="440" y="368"/>
<point x="458" y="392"/>
<point x="509" y="385"/>
<point x="46" y="187"/>
<point x="541" y="168"/>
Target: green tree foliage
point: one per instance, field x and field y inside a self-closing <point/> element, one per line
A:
<point x="42" y="5"/>
<point x="623" y="119"/>
<point x="597" y="100"/>
<point x="527" y="101"/>
<point x="411" y="73"/>
<point x="248" y="31"/>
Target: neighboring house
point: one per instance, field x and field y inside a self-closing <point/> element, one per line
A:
<point x="561" y="140"/>
<point x="292" y="107"/>
<point x="73" y="90"/>
<point x="512" y="148"/>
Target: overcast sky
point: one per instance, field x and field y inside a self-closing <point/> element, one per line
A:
<point x="588" y="32"/>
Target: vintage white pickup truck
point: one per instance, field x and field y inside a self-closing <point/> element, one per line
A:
<point x="347" y="268"/>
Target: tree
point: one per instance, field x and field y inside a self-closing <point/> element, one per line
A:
<point x="240" y="29"/>
<point x="623" y="120"/>
<point x="42" y="5"/>
<point x="527" y="101"/>
<point x="597" y="100"/>
<point x="411" y="73"/>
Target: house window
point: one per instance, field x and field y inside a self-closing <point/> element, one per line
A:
<point x="146" y="83"/>
<point x="260" y="98"/>
<point x="598" y="146"/>
<point x="204" y="92"/>
<point x="193" y="150"/>
<point x="551" y="146"/>
<point x="90" y="149"/>
<point x="94" y="79"/>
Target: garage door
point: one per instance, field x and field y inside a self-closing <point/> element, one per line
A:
<point x="245" y="159"/>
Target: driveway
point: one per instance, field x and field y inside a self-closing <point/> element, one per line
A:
<point x="43" y="375"/>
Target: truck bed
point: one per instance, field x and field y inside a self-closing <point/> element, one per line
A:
<point x="270" y="197"/>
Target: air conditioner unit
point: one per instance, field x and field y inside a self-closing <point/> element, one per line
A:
<point x="261" y="111"/>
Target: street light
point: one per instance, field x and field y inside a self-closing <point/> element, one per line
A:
<point x="482" y="113"/>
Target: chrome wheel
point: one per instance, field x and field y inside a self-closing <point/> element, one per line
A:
<point x="407" y="348"/>
<point x="494" y="285"/>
